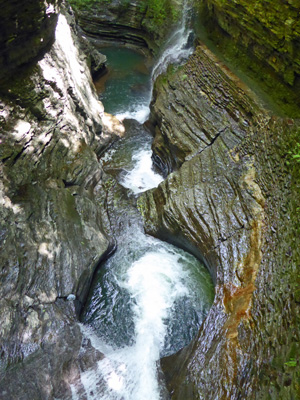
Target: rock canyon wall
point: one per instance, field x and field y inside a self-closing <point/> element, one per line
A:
<point x="230" y="198"/>
<point x="52" y="128"/>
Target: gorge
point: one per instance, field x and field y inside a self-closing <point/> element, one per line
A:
<point x="228" y="197"/>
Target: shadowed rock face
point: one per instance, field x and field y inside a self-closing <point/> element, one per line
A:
<point x="229" y="202"/>
<point x="51" y="230"/>
<point x="27" y="28"/>
<point x="127" y="22"/>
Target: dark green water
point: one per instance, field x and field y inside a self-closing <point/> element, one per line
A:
<point x="126" y="90"/>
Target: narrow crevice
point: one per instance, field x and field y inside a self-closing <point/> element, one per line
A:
<point x="212" y="141"/>
<point x="85" y="282"/>
<point x="224" y="239"/>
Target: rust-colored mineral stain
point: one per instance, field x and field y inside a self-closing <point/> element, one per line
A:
<point x="237" y="300"/>
<point x="237" y="303"/>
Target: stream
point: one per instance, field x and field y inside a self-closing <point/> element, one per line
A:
<point x="150" y="298"/>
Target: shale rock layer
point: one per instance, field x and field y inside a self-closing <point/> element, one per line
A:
<point x="261" y="38"/>
<point x="143" y="24"/>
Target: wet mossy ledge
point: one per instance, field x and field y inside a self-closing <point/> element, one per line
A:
<point x="260" y="40"/>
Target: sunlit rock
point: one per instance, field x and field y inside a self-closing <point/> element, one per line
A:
<point x="51" y="226"/>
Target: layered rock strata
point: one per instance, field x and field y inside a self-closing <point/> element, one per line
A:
<point x="130" y="23"/>
<point x="229" y="200"/>
<point x="114" y="22"/>
<point x="52" y="237"/>
<point x="263" y="38"/>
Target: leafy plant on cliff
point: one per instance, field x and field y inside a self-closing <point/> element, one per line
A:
<point x="160" y="11"/>
<point x="291" y="363"/>
<point x="295" y="153"/>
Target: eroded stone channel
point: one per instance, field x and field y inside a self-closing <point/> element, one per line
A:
<point x="232" y="199"/>
<point x="150" y="298"/>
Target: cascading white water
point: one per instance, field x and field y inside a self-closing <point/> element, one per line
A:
<point x="150" y="297"/>
<point x="122" y="99"/>
<point x="178" y="47"/>
<point x="149" y="302"/>
<point x="140" y="112"/>
<point x="142" y="177"/>
<point x="132" y="158"/>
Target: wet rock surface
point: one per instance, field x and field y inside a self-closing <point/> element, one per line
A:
<point x="229" y="201"/>
<point x="52" y="235"/>
<point x="50" y="371"/>
<point x="202" y="116"/>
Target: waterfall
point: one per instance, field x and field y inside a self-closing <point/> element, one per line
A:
<point x="141" y="177"/>
<point x="178" y="47"/>
<point x="149" y="302"/>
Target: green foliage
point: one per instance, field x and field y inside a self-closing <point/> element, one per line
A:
<point x="292" y="160"/>
<point x="160" y="11"/>
<point x="291" y="363"/>
<point x="184" y="77"/>
<point x="295" y="153"/>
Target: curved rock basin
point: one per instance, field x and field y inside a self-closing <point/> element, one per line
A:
<point x="150" y="298"/>
<point x="148" y="301"/>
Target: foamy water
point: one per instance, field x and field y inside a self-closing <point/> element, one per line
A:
<point x="142" y="177"/>
<point x="139" y="113"/>
<point x="151" y="297"/>
<point x="147" y="281"/>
